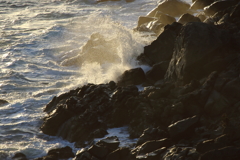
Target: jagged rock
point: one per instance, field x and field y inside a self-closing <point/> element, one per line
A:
<point x="231" y="89"/>
<point x="182" y="128"/>
<point x="153" y="145"/>
<point x="143" y="20"/>
<point x="158" y="71"/>
<point x="119" y="154"/>
<point x="2" y="102"/>
<point x="218" y="6"/>
<point x="228" y="152"/>
<point x="216" y="104"/>
<point x="132" y="77"/>
<point x="173" y="7"/>
<point x="195" y="48"/>
<point x="201" y="16"/>
<point x="235" y="12"/>
<point x="200" y="4"/>
<point x="151" y="134"/>
<point x="185" y="18"/>
<point x="188" y="153"/>
<point x="205" y="146"/>
<point x="62" y="153"/>
<point x="83" y="154"/>
<point x="111" y="143"/>
<point x="98" y="151"/>
<point x="164" y="18"/>
<point x="162" y="48"/>
<point x="155" y="155"/>
<point x="19" y="156"/>
<point x="54" y="121"/>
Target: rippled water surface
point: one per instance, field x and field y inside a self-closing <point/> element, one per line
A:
<point x="36" y="39"/>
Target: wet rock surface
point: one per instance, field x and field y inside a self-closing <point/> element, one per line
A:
<point x="189" y="110"/>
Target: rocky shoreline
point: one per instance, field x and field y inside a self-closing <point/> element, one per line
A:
<point x="189" y="108"/>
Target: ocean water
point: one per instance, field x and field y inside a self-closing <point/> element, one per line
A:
<point x="48" y="47"/>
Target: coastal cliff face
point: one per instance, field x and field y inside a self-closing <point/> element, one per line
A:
<point x="189" y="108"/>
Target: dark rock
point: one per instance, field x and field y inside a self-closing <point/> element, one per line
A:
<point x="119" y="154"/>
<point x="218" y="6"/>
<point x="173" y="7"/>
<point x="229" y="152"/>
<point x="144" y="20"/>
<point x="129" y="1"/>
<point x="54" y="121"/>
<point x="155" y="155"/>
<point x="195" y="47"/>
<point x="99" y="1"/>
<point x="62" y="153"/>
<point x="165" y="19"/>
<point x="175" y="152"/>
<point x="151" y="134"/>
<point x="201" y="16"/>
<point x="158" y="71"/>
<point x="216" y="104"/>
<point x="162" y="48"/>
<point x="132" y="77"/>
<point x="231" y="89"/>
<point x="235" y="12"/>
<point x="185" y="18"/>
<point x="205" y="146"/>
<point x="98" y="151"/>
<point x="153" y="145"/>
<point x="48" y="157"/>
<point x="200" y="4"/>
<point x="2" y="102"/>
<point x="182" y="128"/>
<point x="111" y="143"/>
<point x="19" y="156"/>
<point x="99" y="133"/>
<point x="83" y="154"/>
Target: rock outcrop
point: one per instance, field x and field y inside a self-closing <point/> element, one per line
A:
<point x="189" y="108"/>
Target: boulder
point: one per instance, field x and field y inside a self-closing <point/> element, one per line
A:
<point x="179" y="152"/>
<point x="2" y="102"/>
<point x="205" y="146"/>
<point x="231" y="89"/>
<point x="185" y="18"/>
<point x="144" y="20"/>
<point x="235" y="12"/>
<point x="182" y="128"/>
<point x="218" y="6"/>
<point x="228" y="152"/>
<point x="196" y="46"/>
<point x="200" y="4"/>
<point x="216" y="104"/>
<point x="151" y="134"/>
<point x="158" y="71"/>
<point x="83" y="154"/>
<point x="164" y="18"/>
<point x="162" y="48"/>
<point x="111" y="143"/>
<point x="173" y="7"/>
<point x="19" y="156"/>
<point x="134" y="76"/>
<point x="119" y="154"/>
<point x="153" y="145"/>
<point x="62" y="153"/>
<point x="53" y="122"/>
